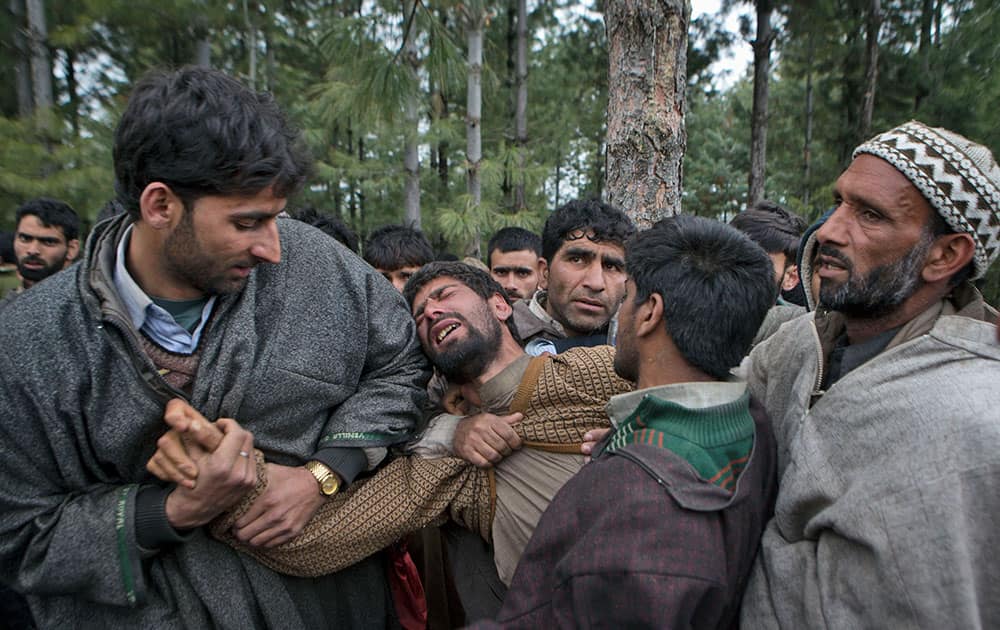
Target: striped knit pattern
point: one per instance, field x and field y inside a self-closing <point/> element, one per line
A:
<point x="716" y="441"/>
<point x="959" y="178"/>
<point x="564" y="399"/>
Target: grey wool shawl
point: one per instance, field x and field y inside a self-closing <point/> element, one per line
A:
<point x="888" y="499"/>
<point x="318" y="350"/>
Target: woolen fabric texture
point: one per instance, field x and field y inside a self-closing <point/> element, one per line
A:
<point x="886" y="513"/>
<point x="638" y="540"/>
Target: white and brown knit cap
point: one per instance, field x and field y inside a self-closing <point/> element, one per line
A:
<point x="959" y="178"/>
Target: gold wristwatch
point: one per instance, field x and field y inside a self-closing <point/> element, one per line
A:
<point x="329" y="481"/>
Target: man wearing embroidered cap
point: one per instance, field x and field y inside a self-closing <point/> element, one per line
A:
<point x="885" y="402"/>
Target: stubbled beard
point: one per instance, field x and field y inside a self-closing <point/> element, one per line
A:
<point x="464" y="361"/>
<point x="882" y="290"/>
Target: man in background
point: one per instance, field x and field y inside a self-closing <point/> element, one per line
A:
<point x="46" y="241"/>
<point x="514" y="258"/>
<point x="778" y="232"/>
<point x="583" y="244"/>
<point x="397" y="252"/>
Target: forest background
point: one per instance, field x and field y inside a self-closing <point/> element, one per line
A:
<point x="384" y="94"/>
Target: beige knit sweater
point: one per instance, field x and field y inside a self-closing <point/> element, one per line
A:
<point x="562" y="397"/>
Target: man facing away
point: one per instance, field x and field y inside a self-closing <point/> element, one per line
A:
<point x="660" y="530"/>
<point x="197" y="303"/>
<point x="885" y="402"/>
<point x="514" y="257"/>
<point x="46" y="241"/>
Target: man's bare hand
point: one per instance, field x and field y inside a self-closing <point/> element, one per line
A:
<point x="485" y="439"/>
<point x="224" y="476"/>
<point x="282" y="511"/>
<point x="171" y="461"/>
<point x="591" y="439"/>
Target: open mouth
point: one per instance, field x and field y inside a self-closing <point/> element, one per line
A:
<point x="444" y="332"/>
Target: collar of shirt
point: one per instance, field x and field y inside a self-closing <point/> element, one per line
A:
<point x="537" y="308"/>
<point x="690" y="395"/>
<point x="146" y="316"/>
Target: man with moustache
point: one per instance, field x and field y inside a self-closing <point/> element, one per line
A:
<point x="46" y="240"/>
<point x="514" y="257"/>
<point x="198" y="303"/>
<point x="583" y="244"/>
<point x="885" y="401"/>
<point x="660" y="530"/>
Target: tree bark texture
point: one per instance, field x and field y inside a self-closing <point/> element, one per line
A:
<point x="872" y="27"/>
<point x="474" y="20"/>
<point x="521" y="108"/>
<point x="411" y="157"/>
<point x="758" y="119"/>
<point x="41" y="68"/>
<point x="647" y="77"/>
<point x="22" y="69"/>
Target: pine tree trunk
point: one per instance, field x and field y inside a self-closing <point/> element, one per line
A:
<point x="251" y="46"/>
<point x="411" y="158"/>
<point x="22" y="69"/>
<point x="872" y="26"/>
<point x="521" y="108"/>
<point x="41" y="68"/>
<point x="647" y="50"/>
<point x="473" y="113"/>
<point x="758" y="119"/>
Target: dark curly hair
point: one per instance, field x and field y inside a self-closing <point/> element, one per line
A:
<point x="203" y="133"/>
<point x="608" y="224"/>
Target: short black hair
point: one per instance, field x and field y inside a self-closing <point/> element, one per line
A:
<point x="52" y="213"/>
<point x="393" y="247"/>
<point x="608" y="224"/>
<point x="330" y="225"/>
<point x="717" y="285"/>
<point x="202" y="133"/>
<point x="481" y="283"/>
<point x="772" y="227"/>
<point x="513" y="239"/>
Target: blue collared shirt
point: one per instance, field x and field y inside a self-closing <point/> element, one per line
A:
<point x="157" y="323"/>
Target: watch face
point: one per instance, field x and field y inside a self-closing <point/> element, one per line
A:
<point x="330" y="485"/>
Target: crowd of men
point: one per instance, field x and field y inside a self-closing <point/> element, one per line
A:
<point x="220" y="416"/>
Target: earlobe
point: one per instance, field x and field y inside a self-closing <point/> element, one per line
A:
<point x="649" y="315"/>
<point x="72" y="249"/>
<point x="501" y="308"/>
<point x="949" y="254"/>
<point x="791" y="278"/>
<point x="543" y="271"/>
<point x="159" y="206"/>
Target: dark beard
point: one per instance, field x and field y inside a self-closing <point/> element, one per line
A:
<point x="463" y="362"/>
<point x="882" y="290"/>
<point x="37" y="275"/>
